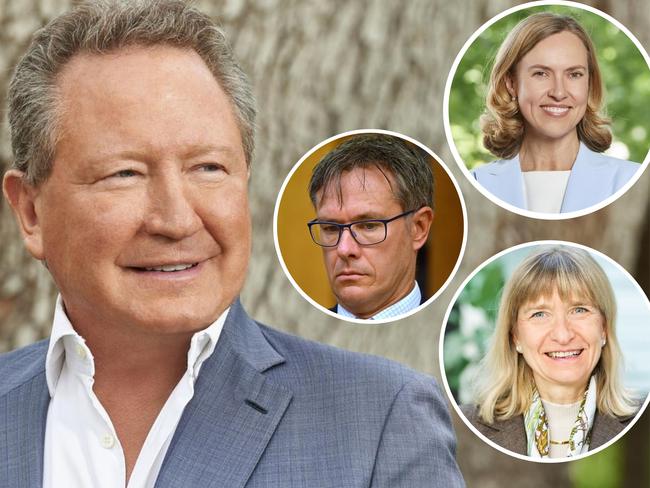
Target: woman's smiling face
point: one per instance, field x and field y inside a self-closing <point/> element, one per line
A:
<point x="551" y="84"/>
<point x="560" y="340"/>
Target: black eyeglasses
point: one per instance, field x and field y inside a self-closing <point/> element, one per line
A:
<point x="365" y="232"/>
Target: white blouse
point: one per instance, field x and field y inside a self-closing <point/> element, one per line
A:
<point x="545" y="190"/>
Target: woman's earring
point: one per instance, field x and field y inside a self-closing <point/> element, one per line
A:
<point x="603" y="342"/>
<point x="513" y="98"/>
<point x="518" y="348"/>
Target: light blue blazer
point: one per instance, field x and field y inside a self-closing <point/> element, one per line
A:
<point x="594" y="178"/>
<point x="270" y="410"/>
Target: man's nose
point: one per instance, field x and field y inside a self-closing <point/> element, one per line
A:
<point x="348" y="246"/>
<point x="562" y="332"/>
<point x="171" y="211"/>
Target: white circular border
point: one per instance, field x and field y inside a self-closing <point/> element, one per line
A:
<point x="459" y="159"/>
<point x="279" y="252"/>
<point x="443" y="330"/>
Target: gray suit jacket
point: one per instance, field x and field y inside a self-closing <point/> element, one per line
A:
<point x="270" y="410"/>
<point x="511" y="435"/>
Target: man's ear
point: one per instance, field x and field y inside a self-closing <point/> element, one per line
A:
<point x="510" y="86"/>
<point x="21" y="195"/>
<point x="420" y="226"/>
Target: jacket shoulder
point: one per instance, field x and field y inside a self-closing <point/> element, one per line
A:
<point x="19" y="366"/>
<point x="470" y="412"/>
<point x="606" y="427"/>
<point x="620" y="169"/>
<point x="509" y="433"/>
<point x="503" y="179"/>
<point x="484" y="170"/>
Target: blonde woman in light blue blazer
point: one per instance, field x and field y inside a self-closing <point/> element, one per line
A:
<point x="543" y="121"/>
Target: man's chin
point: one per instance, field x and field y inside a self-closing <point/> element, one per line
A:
<point x="175" y="324"/>
<point x="175" y="317"/>
<point x="355" y="300"/>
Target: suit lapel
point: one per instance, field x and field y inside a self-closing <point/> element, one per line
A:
<point x="25" y="414"/>
<point x="507" y="182"/>
<point x="605" y="428"/>
<point x="234" y="412"/>
<point x="582" y="181"/>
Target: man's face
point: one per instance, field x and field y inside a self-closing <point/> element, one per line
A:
<point x="144" y="221"/>
<point x="367" y="279"/>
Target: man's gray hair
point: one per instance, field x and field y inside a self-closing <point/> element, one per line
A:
<point x="102" y="27"/>
<point x="407" y="163"/>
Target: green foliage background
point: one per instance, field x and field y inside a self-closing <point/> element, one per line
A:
<point x="464" y="345"/>
<point x="625" y="74"/>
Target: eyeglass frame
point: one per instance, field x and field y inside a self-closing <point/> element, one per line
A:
<point x="349" y="225"/>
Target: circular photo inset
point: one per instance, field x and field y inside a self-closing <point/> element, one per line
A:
<point x="370" y="226"/>
<point x="544" y="351"/>
<point x="545" y="109"/>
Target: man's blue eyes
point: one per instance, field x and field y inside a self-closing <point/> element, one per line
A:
<point x="129" y="173"/>
<point x="125" y="173"/>
<point x="211" y="167"/>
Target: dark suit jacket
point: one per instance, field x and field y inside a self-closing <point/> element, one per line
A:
<point x="511" y="435"/>
<point x="270" y="410"/>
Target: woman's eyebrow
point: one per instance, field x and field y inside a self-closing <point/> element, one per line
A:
<point x="548" y="68"/>
<point x="534" y="304"/>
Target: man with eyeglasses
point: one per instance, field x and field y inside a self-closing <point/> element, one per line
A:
<point x="373" y="197"/>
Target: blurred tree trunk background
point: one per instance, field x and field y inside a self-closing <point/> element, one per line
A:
<point x="321" y="68"/>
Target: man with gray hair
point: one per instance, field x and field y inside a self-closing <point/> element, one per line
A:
<point x="132" y="131"/>
<point x="379" y="188"/>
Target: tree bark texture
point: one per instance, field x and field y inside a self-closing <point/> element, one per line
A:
<point x="318" y="69"/>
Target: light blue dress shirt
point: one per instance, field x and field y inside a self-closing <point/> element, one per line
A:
<point x="406" y="304"/>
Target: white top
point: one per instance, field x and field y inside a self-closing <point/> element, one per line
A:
<point x="545" y="190"/>
<point x="561" y="419"/>
<point x="81" y="446"/>
<point x="406" y="304"/>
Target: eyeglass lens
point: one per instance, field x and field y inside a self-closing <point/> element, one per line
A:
<point x="365" y="233"/>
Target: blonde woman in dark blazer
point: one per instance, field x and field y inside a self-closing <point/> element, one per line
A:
<point x="550" y="384"/>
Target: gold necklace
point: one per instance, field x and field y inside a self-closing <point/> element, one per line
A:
<point x="559" y="443"/>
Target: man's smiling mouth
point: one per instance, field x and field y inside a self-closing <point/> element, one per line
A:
<point x="168" y="268"/>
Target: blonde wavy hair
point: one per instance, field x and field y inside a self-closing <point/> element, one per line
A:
<point x="506" y="383"/>
<point x="502" y="123"/>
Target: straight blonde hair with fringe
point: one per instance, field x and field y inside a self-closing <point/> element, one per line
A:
<point x="506" y="385"/>
<point x="502" y="123"/>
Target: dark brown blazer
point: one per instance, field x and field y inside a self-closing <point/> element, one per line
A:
<point x="511" y="435"/>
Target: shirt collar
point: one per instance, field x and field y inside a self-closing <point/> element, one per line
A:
<point x="66" y="345"/>
<point x="406" y="304"/>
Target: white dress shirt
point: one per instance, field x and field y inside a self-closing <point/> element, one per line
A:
<point x="81" y="446"/>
